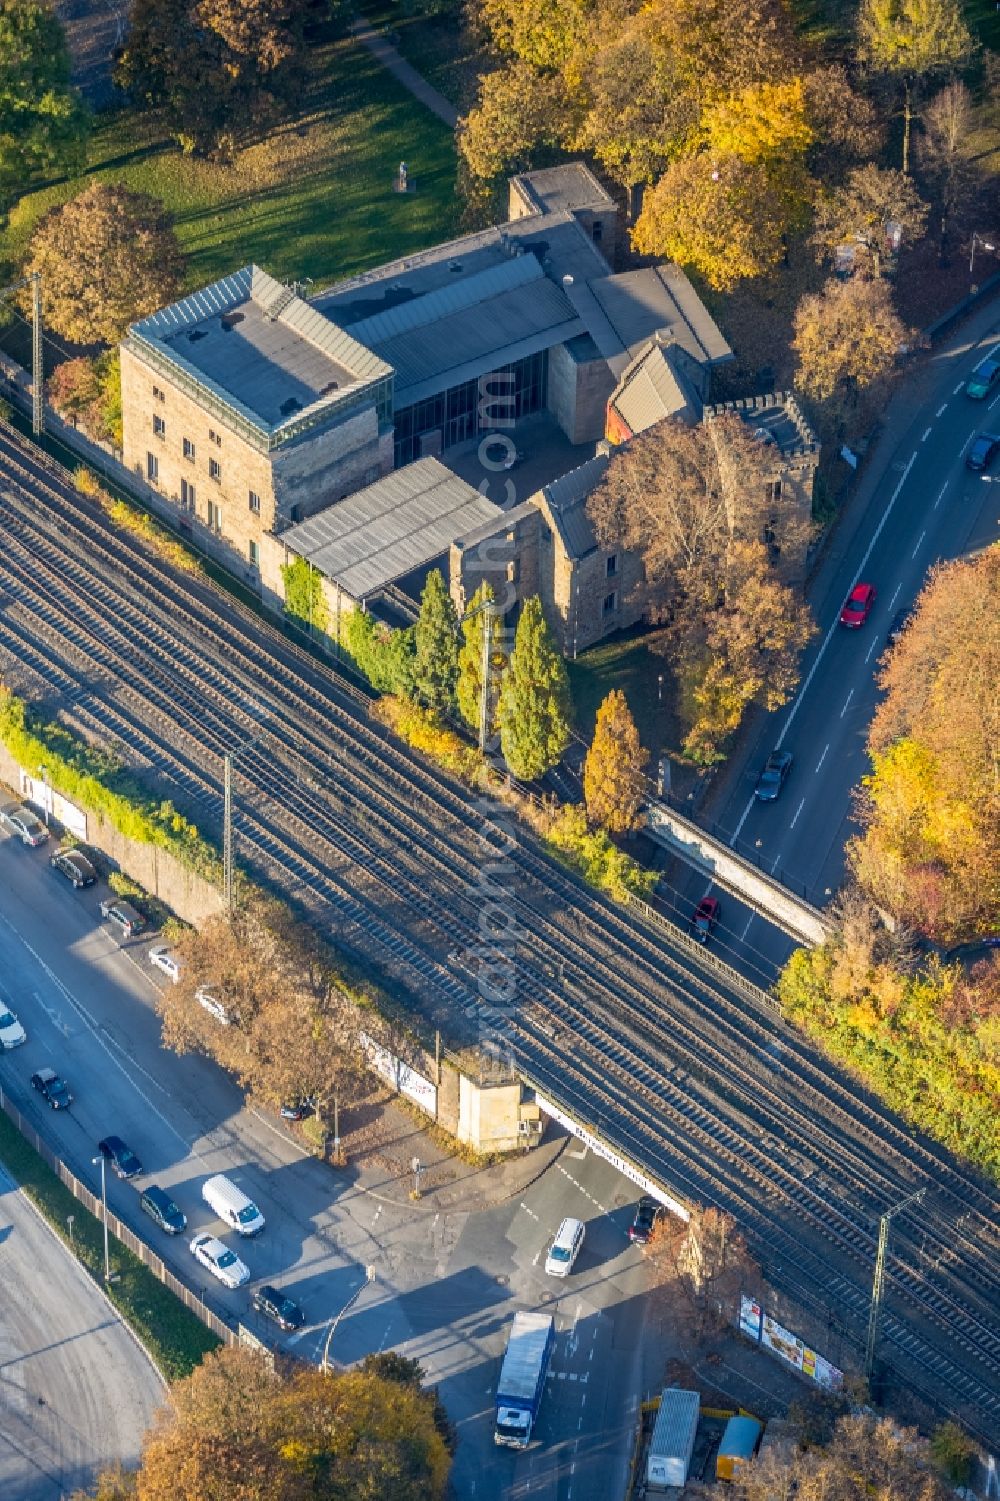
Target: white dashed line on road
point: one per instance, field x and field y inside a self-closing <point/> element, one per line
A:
<point x="847" y="703"/>
<point x="797" y="812"/>
<point x="534" y="1216"/>
<point x="926" y="435"/>
<point x="913" y="554"/>
<point x="993" y="403"/>
<point x="749" y="924"/>
<point x="895" y="596"/>
<point x="942" y="408"/>
<point x="822" y="758"/>
<point x="959" y="387"/>
<point x="941" y="496"/>
<point x="871" y="648"/>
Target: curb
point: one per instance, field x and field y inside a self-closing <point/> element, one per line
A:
<point x="457" y="1208"/>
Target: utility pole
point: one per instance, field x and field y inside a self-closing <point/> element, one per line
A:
<point x="37" y="366"/>
<point x="227" y="830"/>
<point x="489" y="614"/>
<point x="876" y="1305"/>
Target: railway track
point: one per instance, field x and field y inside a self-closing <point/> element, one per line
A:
<point x="654" y="1048"/>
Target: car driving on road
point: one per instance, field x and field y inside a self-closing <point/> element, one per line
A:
<point x="26" y="825"/>
<point x="985" y="376"/>
<point x="273" y="1304"/>
<point x="74" y="866"/>
<point x="12" y="1034"/>
<point x="772" y="778"/>
<point x="157" y="1203"/>
<point x="51" y="1088"/>
<point x="218" y="1259"/>
<point x="705" y="919"/>
<point x="121" y="1157"/>
<point x="164" y="959"/>
<point x="647" y="1212"/>
<point x="982" y="451"/>
<point x="858" y="605"/>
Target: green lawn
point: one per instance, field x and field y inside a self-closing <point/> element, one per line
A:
<point x="312" y="200"/>
<point x="173" y="1335"/>
<point x="440" y="46"/>
<point x="626" y="662"/>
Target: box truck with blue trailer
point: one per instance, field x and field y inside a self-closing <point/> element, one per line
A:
<point x="522" y="1378"/>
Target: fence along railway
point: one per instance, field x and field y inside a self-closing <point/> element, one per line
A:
<point x="682" y="1071"/>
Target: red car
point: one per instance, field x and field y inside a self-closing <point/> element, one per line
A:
<point x="706" y="915"/>
<point x="859" y="605"/>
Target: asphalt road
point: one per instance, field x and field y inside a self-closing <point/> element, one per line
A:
<point x="446" y="1286"/>
<point x="926" y="507"/>
<point x="76" y="1390"/>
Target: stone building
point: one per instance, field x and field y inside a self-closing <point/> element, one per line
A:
<point x="249" y="410"/>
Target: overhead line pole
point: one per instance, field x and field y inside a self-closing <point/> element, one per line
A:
<point x="37" y="362"/>
<point x="879" y="1278"/>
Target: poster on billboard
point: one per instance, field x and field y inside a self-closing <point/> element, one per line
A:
<point x="751" y="1317"/>
<point x="399" y="1074"/>
<point x="827" y="1375"/>
<point x="782" y="1342"/>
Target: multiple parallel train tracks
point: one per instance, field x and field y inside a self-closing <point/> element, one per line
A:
<point x="693" y="1077"/>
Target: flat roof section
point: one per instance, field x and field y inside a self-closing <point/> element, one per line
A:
<point x="391" y="528"/>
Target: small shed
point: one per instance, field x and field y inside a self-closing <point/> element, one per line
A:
<point x="739" y="1442"/>
<point x="673" y="1437"/>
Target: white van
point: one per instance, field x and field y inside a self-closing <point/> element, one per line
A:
<point x="232" y="1205"/>
<point x="564" y="1249"/>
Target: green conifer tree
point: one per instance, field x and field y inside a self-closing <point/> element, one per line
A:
<point x="470" y="659"/>
<point x="534" y="698"/>
<point x="435" y="663"/>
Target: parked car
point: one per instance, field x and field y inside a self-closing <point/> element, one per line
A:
<point x="900" y="621"/>
<point x="647" y="1212"/>
<point x="298" y="1111"/>
<point x="218" y="1259"/>
<point x="26" y="825"/>
<point x="158" y="1204"/>
<point x="212" y="1005"/>
<point x="565" y="1248"/>
<point x="985" y="376"/>
<point x="51" y="1088"/>
<point x="12" y="1034"/>
<point x="121" y="1157"/>
<point x="125" y="918"/>
<point x="163" y="959"/>
<point x="772" y="778"/>
<point x="982" y="451"/>
<point x="74" y="866"/>
<point x="705" y="919"/>
<point x="273" y="1304"/>
<point x="858" y="605"/>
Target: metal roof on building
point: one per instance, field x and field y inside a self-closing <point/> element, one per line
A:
<point x="660" y="300"/>
<point x="570" y="186"/>
<point x="566" y="502"/>
<point x="653" y="387"/>
<point x="391" y="528"/>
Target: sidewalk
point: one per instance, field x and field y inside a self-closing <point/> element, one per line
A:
<point x="385" y="53"/>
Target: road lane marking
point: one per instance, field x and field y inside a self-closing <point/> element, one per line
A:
<point x="942" y="408"/>
<point x="749" y="924"/>
<point x="797" y="812"/>
<point x="959" y="387"/>
<point x="775" y="863"/>
<point x="941" y="496"/>
<point x="993" y="403"/>
<point x="926" y="435"/>
<point x="847" y="703"/>
<point x="920" y="539"/>
<point x="871" y="648"/>
<point x="895" y="596"/>
<point x="822" y="758"/>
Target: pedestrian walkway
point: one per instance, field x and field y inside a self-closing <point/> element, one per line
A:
<point x="385" y="53"/>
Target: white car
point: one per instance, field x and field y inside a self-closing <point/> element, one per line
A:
<point x="212" y="1005"/>
<point x="220" y="1260"/>
<point x="565" y="1248"/>
<point x="161" y="958"/>
<point x="12" y="1034"/>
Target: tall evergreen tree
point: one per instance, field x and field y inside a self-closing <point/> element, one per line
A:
<point x="42" y="120"/>
<point x="614" y="783"/>
<point x="435" y="666"/>
<point x="470" y="659"/>
<point x="534" y="698"/>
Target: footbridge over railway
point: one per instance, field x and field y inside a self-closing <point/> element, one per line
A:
<point x="798" y="918"/>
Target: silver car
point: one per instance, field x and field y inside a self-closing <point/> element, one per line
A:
<point x="26" y="825"/>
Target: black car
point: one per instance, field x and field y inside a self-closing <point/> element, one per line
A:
<point x="297" y="1111"/>
<point x="122" y="1158"/>
<point x="772" y="778"/>
<point x="274" y="1305"/>
<point x="647" y="1212"/>
<point x="900" y="621"/>
<point x="75" y="867"/>
<point x="984" y="449"/>
<point x="52" y="1088"/>
<point x="160" y="1207"/>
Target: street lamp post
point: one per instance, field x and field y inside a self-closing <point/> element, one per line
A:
<point x="978" y="239"/>
<point x="324" y="1364"/>
<point x="104" y="1212"/>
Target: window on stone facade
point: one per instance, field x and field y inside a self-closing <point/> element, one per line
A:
<point x="254" y="555"/>
<point x="255" y="502"/>
<point x="214" y="469"/>
<point x="214" y="437"/>
<point x="612" y="568"/>
<point x="772" y="491"/>
<point x="188" y="449"/>
<point x="158" y="394"/>
<point x="152" y="468"/>
<point x="597" y="231"/>
<point x="214" y="516"/>
<point x="187" y="496"/>
<point x="610" y="601"/>
<point x="159" y="427"/>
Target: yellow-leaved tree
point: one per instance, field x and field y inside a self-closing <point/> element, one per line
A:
<point x="614" y="781"/>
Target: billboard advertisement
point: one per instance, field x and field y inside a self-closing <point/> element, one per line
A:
<point x="751" y="1317"/>
<point x="399" y="1074"/>
<point x="782" y="1342"/>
